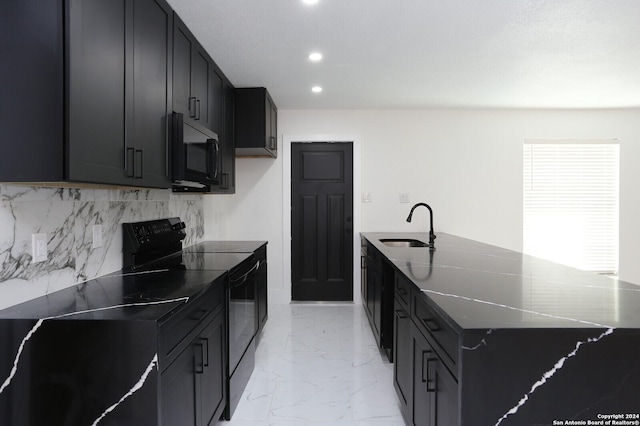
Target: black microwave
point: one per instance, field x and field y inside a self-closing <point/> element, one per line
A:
<point x="195" y="155"/>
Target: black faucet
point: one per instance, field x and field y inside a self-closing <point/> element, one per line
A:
<point x="432" y="236"/>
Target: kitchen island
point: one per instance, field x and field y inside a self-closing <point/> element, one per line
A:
<point x="488" y="336"/>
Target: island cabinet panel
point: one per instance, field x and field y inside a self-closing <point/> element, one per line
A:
<point x="402" y="368"/>
<point x="426" y="388"/>
<point x="540" y="375"/>
<point x="118" y="82"/>
<point x="379" y="299"/>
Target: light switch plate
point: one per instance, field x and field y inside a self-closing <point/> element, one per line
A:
<point x="366" y="197"/>
<point x="404" y="197"/>
<point x="97" y="236"/>
<point x="39" y="252"/>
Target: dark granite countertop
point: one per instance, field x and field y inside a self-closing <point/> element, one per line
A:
<point x="225" y="247"/>
<point x="480" y="286"/>
<point x="139" y="296"/>
<point x="149" y="294"/>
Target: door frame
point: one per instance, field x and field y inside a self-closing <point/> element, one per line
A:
<point x="287" y="140"/>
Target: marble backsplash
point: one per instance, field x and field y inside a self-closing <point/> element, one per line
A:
<point x="67" y="216"/>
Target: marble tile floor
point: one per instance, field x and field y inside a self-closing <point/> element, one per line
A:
<point x="318" y="365"/>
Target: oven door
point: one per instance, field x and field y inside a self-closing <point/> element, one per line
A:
<point x="242" y="308"/>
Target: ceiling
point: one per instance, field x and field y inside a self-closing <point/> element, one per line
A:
<point x="400" y="54"/>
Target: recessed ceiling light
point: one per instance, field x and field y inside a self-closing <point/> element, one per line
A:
<point x="310" y="1"/>
<point x="316" y="89"/>
<point x="315" y="56"/>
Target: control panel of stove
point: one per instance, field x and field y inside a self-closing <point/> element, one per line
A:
<point x="152" y="238"/>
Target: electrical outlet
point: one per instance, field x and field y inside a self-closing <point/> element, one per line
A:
<point x="97" y="236"/>
<point x="39" y="251"/>
<point x="404" y="197"/>
<point x="366" y="197"/>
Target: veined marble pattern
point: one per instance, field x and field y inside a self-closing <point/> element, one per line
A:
<point x="67" y="216"/>
<point x="318" y="365"/>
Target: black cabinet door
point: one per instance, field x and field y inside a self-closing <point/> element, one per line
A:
<point x="402" y="368"/>
<point x="197" y="87"/>
<point x="446" y="409"/>
<point x="118" y="99"/>
<point x="256" y="120"/>
<point x="179" y="389"/>
<point x="182" y="61"/>
<point x="424" y="394"/>
<point x="216" y="100"/>
<point x="211" y="376"/>
<point x="201" y="88"/>
<point x="31" y="92"/>
<point x="193" y="388"/>
<point x="96" y="38"/>
<point x="228" y="146"/>
<point x="435" y="390"/>
<point x="147" y="118"/>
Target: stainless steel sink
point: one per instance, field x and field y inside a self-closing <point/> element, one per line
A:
<point x="404" y="243"/>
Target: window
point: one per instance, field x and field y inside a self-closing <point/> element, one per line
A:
<point x="570" y="202"/>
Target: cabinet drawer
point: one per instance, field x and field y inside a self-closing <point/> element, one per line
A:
<point x="402" y="291"/>
<point x="430" y="323"/>
<point x="177" y="329"/>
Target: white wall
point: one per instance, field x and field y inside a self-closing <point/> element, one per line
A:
<point x="465" y="163"/>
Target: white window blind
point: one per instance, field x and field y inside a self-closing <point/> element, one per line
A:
<point x="571" y="203"/>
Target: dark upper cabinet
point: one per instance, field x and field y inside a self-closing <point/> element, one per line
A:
<point x="197" y="88"/>
<point x="92" y="87"/>
<point x="202" y="91"/>
<point x="31" y="93"/>
<point x="228" y="160"/>
<point x="118" y="99"/>
<point x="256" y="121"/>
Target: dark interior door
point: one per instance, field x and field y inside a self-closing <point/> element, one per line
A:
<point x="322" y="221"/>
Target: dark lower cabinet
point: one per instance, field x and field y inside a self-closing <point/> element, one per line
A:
<point x="192" y="386"/>
<point x="378" y="301"/>
<point x="179" y="386"/>
<point x="435" y="390"/>
<point x="426" y="389"/>
<point x="402" y="371"/>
